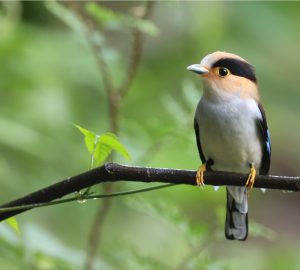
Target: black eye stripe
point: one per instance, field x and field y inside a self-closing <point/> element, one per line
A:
<point x="237" y="67"/>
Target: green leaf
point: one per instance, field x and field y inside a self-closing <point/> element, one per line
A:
<point x="101" y="14"/>
<point x="144" y="26"/>
<point x="114" y="20"/>
<point x="13" y="223"/>
<point x="111" y="140"/>
<point x="66" y="15"/>
<point x="90" y="138"/>
<point x="101" y="146"/>
<point x="101" y="153"/>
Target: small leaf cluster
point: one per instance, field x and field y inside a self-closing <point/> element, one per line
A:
<point x="101" y="146"/>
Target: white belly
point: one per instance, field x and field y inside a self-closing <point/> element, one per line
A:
<point x="228" y="134"/>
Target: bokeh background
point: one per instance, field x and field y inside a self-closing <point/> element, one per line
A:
<point x="49" y="79"/>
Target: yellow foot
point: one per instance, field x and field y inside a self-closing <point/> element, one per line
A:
<point x="251" y="177"/>
<point x="200" y="175"/>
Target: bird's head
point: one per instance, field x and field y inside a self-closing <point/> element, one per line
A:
<point x="225" y="74"/>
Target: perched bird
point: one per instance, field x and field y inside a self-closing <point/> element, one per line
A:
<point x="231" y="130"/>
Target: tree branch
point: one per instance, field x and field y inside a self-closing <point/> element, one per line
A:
<point x="112" y="172"/>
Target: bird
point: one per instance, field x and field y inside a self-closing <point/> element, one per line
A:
<point x="231" y="131"/>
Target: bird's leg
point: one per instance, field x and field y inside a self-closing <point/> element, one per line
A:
<point x="200" y="175"/>
<point x="251" y="177"/>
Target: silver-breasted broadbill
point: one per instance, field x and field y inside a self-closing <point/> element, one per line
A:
<point x="231" y="130"/>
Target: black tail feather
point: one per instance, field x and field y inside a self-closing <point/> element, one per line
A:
<point x="236" y="224"/>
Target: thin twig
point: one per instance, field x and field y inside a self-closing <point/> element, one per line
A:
<point x="136" y="53"/>
<point x="91" y="29"/>
<point x="112" y="172"/>
<point x="81" y="198"/>
<point x="95" y="233"/>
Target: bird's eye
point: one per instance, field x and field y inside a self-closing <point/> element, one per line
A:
<point x="223" y="71"/>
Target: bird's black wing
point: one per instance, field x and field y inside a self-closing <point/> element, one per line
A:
<point x="196" y="127"/>
<point x="263" y="130"/>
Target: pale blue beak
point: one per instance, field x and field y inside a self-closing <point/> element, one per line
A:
<point x="198" y="69"/>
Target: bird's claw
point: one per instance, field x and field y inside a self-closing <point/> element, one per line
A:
<point x="251" y="177"/>
<point x="200" y="175"/>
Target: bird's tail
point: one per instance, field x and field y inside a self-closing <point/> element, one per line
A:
<point x="236" y="225"/>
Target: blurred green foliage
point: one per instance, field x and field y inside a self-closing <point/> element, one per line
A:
<point x="112" y="20"/>
<point x="13" y="223"/>
<point x="49" y="79"/>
